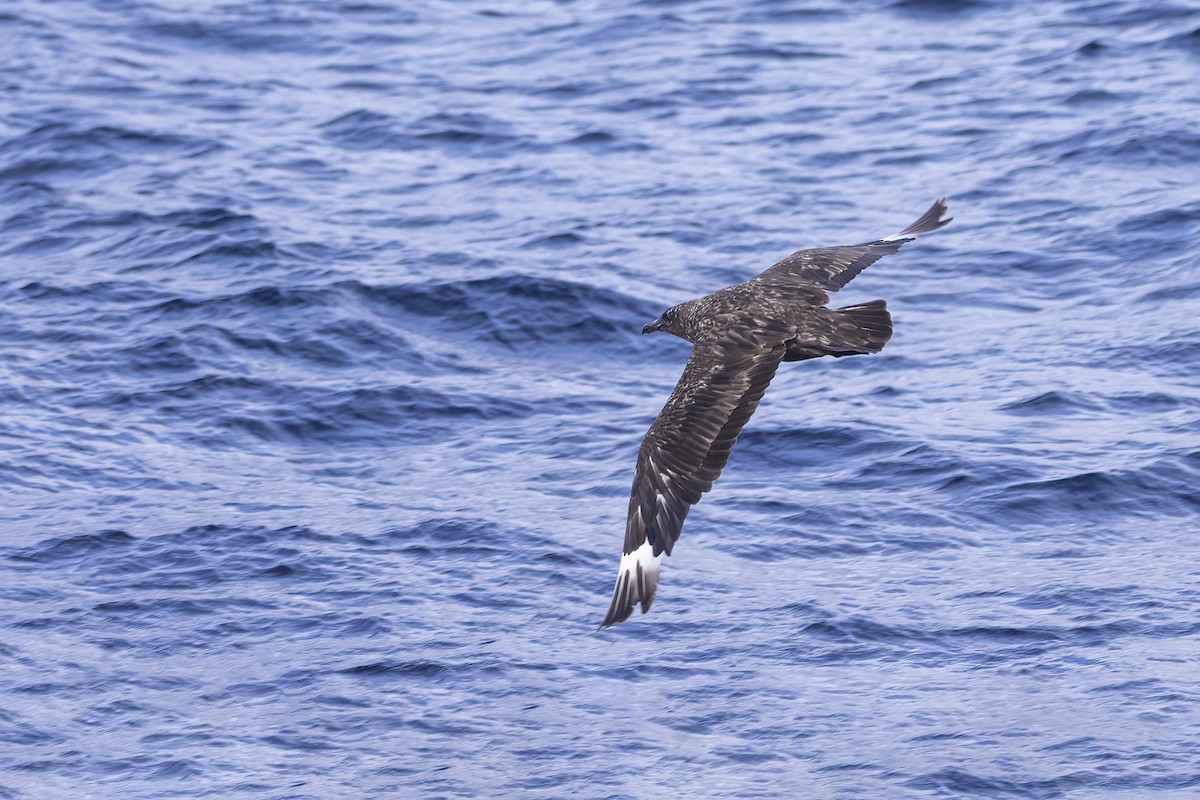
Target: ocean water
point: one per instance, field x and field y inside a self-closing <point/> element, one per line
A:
<point x="321" y="384"/>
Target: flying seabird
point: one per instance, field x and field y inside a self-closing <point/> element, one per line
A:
<point x="739" y="336"/>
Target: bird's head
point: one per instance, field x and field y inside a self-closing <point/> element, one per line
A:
<point x="671" y="321"/>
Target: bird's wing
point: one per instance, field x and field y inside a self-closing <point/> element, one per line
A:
<point x="831" y="268"/>
<point x="684" y="452"/>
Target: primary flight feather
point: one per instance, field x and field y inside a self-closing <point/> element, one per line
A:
<point x="739" y="336"/>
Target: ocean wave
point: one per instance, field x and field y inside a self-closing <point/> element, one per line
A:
<point x="1164" y="488"/>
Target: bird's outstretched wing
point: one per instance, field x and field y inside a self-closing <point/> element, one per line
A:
<point x="831" y="268"/>
<point x="684" y="452"/>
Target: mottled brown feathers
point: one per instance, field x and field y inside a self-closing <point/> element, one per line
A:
<point x="740" y="335"/>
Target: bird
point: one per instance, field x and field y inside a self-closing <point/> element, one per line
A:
<point x="740" y="335"/>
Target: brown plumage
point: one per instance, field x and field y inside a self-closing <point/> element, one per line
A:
<point x="739" y="337"/>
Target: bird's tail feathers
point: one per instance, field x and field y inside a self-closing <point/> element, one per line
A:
<point x="864" y="328"/>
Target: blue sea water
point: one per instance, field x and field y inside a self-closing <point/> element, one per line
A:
<point x="322" y="384"/>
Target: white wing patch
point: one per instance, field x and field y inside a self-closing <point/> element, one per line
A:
<point x="637" y="578"/>
<point x="650" y="564"/>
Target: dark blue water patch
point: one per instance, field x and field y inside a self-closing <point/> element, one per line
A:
<point x="196" y="343"/>
<point x="1157" y="149"/>
<point x="957" y="782"/>
<point x="862" y="629"/>
<point x="33" y="167"/>
<point x="106" y="555"/>
<point x="398" y="670"/>
<point x="135" y="241"/>
<point x="441" y="536"/>
<point x="35" y="470"/>
<point x="361" y="129"/>
<point x="1122" y="17"/>
<point x="1089" y="97"/>
<point x="15" y="731"/>
<point x="571" y="90"/>
<point x="432" y="220"/>
<point x="1088" y="600"/>
<point x="940" y="7"/>
<point x="834" y="638"/>
<point x="513" y="310"/>
<point x="774" y="53"/>
<point x="1093" y="49"/>
<point x="771" y="11"/>
<point x="1163" y="223"/>
<point x="249" y="303"/>
<point x="82" y="297"/>
<point x="319" y="416"/>
<point x="1149" y="402"/>
<point x="1149" y="691"/>
<point x="1052" y="404"/>
<point x="1171" y="355"/>
<point x="789" y="139"/>
<point x="556" y="241"/>
<point x="1189" y="41"/>
<point x="105" y="140"/>
<point x="62" y="152"/>
<point x="73" y="548"/>
<point x="602" y="141"/>
<point x="172" y="365"/>
<point x="1171" y="294"/>
<point x="459" y="549"/>
<point x="311" y="417"/>
<point x="815" y="447"/>
<point x="842" y="531"/>
<point x="269" y="32"/>
<point x="1163" y="489"/>
<point x="929" y="466"/>
<point x="371" y="130"/>
<point x="800" y="545"/>
<point x="1159" y="230"/>
<point x="32" y="197"/>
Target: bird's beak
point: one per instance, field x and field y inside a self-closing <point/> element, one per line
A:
<point x="652" y="327"/>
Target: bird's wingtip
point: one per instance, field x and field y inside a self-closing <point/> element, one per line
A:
<point x="637" y="578"/>
<point x="931" y="220"/>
